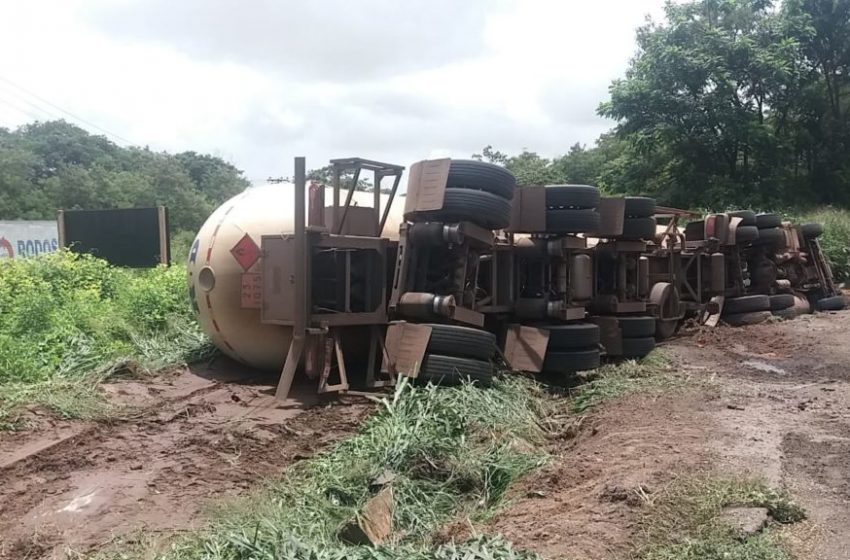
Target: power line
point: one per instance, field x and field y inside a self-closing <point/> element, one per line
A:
<point x="24" y="112"/>
<point x="70" y="114"/>
<point x="19" y="97"/>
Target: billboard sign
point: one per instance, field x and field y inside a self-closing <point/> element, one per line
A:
<point x="27" y="238"/>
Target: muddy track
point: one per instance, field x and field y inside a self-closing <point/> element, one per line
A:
<point x="776" y="406"/>
<point x="200" y="437"/>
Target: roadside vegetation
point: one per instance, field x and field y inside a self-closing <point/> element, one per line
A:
<point x="445" y="454"/>
<point x="684" y="521"/>
<point x="69" y="321"/>
<point x="611" y="381"/>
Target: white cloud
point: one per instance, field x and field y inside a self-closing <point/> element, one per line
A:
<point x="258" y="82"/>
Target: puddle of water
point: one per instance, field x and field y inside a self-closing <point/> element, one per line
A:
<point x="765" y="367"/>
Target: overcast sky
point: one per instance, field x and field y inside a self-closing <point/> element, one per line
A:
<point x="260" y="81"/>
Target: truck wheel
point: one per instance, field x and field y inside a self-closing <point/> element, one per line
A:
<point x="748" y="217"/>
<point x="482" y="176"/>
<point x="461" y="342"/>
<point x="666" y="298"/>
<point x="787" y="314"/>
<point x="572" y="196"/>
<point x="637" y="347"/>
<point x="834" y="303"/>
<point x="746" y="304"/>
<point x="751" y="318"/>
<point x="764" y="221"/>
<point x="812" y="230"/>
<point x="569" y="362"/>
<point x="571" y="336"/>
<point x="637" y="327"/>
<point x="778" y="302"/>
<point x="569" y="220"/>
<point x="746" y="234"/>
<point x="771" y="237"/>
<point x="467" y="205"/>
<point x="665" y="328"/>
<point x="639" y="228"/>
<point x="450" y="370"/>
<point x="639" y="207"/>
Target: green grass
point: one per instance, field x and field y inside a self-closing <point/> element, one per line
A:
<point x="68" y="321"/>
<point x="452" y="453"/>
<point x="682" y="522"/>
<point x="615" y="380"/>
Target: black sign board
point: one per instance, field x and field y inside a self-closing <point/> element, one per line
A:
<point x="132" y="237"/>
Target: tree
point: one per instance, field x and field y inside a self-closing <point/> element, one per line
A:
<point x="52" y="165"/>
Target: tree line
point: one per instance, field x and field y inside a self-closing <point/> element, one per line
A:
<point x="46" y="166"/>
<point x="726" y="103"/>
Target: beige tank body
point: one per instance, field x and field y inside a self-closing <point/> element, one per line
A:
<point x="215" y="272"/>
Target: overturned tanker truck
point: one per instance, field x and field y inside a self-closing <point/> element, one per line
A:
<point x="471" y="272"/>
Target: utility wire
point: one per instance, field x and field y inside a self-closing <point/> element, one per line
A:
<point x="18" y="97"/>
<point x="70" y="114"/>
<point x="24" y="112"/>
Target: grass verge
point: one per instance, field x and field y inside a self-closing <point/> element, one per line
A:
<point x="683" y="522"/>
<point x="446" y="452"/>
<point x="67" y="322"/>
<point x="615" y="380"/>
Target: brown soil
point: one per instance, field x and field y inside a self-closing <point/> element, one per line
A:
<point x="777" y="406"/>
<point x="198" y="435"/>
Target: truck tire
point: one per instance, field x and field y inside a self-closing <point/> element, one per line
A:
<point x="764" y="221"/>
<point x="572" y="336"/>
<point x="746" y="234"/>
<point x="639" y="228"/>
<point x="639" y="207"/>
<point x="637" y="347"/>
<point x="461" y="342"/>
<point x="750" y="318"/>
<point x="665" y="328"/>
<point x="637" y="327"/>
<point x="787" y="314"/>
<point x="467" y="205"/>
<point x="569" y="220"/>
<point x="746" y="304"/>
<point x="481" y="176"/>
<point x="812" y="230"/>
<point x="451" y="370"/>
<point x="570" y="362"/>
<point x="778" y="302"/>
<point x="748" y="217"/>
<point x="572" y="196"/>
<point x="770" y="237"/>
<point x="834" y="303"/>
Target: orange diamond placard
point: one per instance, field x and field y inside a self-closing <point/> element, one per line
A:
<point x="246" y="252"/>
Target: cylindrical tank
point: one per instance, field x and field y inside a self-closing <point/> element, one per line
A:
<point x="227" y="246"/>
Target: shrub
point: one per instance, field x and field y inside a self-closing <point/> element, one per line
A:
<point x="67" y="314"/>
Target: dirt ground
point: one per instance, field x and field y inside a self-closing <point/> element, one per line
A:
<point x="771" y="400"/>
<point x="776" y="405"/>
<point x="199" y="436"/>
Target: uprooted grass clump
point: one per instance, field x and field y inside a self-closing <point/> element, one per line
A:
<point x="68" y="321"/>
<point x="683" y="521"/>
<point x="446" y="453"/>
<point x="615" y="380"/>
